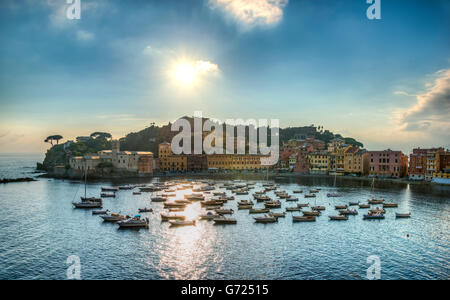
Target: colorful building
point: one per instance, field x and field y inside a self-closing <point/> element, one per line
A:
<point x="170" y="162"/>
<point x="356" y="161"/>
<point x="319" y="162"/>
<point x="388" y="163"/>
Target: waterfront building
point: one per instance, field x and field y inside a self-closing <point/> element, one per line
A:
<point x="196" y="162"/>
<point x="235" y="162"/>
<point x="130" y="161"/>
<point x="302" y="164"/>
<point x="170" y="162"/>
<point x="356" y="161"/>
<point x="319" y="162"/>
<point x="431" y="166"/>
<point x="339" y="159"/>
<point x="292" y="161"/>
<point x="442" y="174"/>
<point x="418" y="164"/>
<point x="388" y="163"/>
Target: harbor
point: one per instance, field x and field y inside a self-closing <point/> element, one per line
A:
<point x="199" y="228"/>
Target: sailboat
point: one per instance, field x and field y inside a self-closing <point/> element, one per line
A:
<point x="334" y="185"/>
<point x="85" y="201"/>
<point x="373" y="200"/>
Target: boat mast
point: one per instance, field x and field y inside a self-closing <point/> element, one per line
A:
<point x="85" y="178"/>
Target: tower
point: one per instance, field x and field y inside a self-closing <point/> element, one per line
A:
<point x="115" y="147"/>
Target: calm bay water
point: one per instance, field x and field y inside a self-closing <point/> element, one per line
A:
<point x="40" y="229"/>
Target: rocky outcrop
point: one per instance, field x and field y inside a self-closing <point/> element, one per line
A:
<point x="26" y="179"/>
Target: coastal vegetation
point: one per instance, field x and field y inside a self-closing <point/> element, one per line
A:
<point x="149" y="138"/>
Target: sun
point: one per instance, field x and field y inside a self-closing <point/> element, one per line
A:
<point x="185" y="73"/>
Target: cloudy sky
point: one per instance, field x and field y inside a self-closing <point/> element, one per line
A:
<point x="126" y="64"/>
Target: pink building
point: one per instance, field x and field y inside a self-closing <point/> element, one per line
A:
<point x="388" y="163"/>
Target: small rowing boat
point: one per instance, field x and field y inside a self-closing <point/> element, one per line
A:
<point x="310" y="195"/>
<point x="361" y="205"/>
<point x="338" y="218"/>
<point x="311" y="213"/>
<point x="387" y="205"/>
<point x="340" y="207"/>
<point x="259" y="211"/>
<point x="303" y="219"/>
<point x="224" y="221"/>
<point x="318" y="207"/>
<point x="288" y="209"/>
<point x="277" y="215"/>
<point x="266" y="219"/>
<point x="144" y="210"/>
<point x="224" y="211"/>
<point x="165" y="217"/>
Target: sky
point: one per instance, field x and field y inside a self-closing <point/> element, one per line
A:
<point x="126" y="64"/>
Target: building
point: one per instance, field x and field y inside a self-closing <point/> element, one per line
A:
<point x="302" y="164"/>
<point x="292" y="161"/>
<point x="356" y="161"/>
<point x="196" y="163"/>
<point x="339" y="159"/>
<point x="388" y="163"/>
<point x="319" y="162"/>
<point x="235" y="162"/>
<point x="418" y="164"/>
<point x="431" y="166"/>
<point x="129" y="161"/>
<point x="170" y="162"/>
<point x="334" y="144"/>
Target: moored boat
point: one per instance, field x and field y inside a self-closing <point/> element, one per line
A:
<point x="224" y="211"/>
<point x="110" y="189"/>
<point x="338" y="218"/>
<point x="371" y="216"/>
<point x="114" y="217"/>
<point x="224" y="221"/>
<point x="402" y="215"/>
<point x="311" y="213"/>
<point x="318" y="207"/>
<point x="348" y="212"/>
<point x="333" y="195"/>
<point x="87" y="204"/>
<point x="288" y="209"/>
<point x="362" y="205"/>
<point x="310" y="195"/>
<point x="277" y="215"/>
<point x="375" y="201"/>
<point x="178" y="223"/>
<point x="144" y="210"/>
<point x="158" y="199"/>
<point x="340" y="206"/>
<point x="108" y="195"/>
<point x="387" y="205"/>
<point x="303" y="219"/>
<point x="302" y="204"/>
<point x="168" y="217"/>
<point x="258" y="211"/>
<point x="135" y="222"/>
<point x="100" y="212"/>
<point x="266" y="219"/>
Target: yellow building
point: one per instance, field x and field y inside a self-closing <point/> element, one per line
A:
<point x="168" y="161"/>
<point x="339" y="159"/>
<point x="319" y="162"/>
<point x="234" y="162"/>
<point x="356" y="161"/>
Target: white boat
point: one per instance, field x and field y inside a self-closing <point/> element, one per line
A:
<point x="114" y="217"/>
<point x="402" y="215"/>
<point x="175" y="223"/>
<point x="135" y="222"/>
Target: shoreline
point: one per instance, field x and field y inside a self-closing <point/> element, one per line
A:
<point x="244" y="175"/>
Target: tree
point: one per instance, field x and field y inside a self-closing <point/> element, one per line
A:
<point x="52" y="138"/>
<point x="101" y="135"/>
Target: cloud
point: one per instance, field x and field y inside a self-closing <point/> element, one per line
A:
<point x="432" y="109"/>
<point x="402" y="93"/>
<point x="252" y="13"/>
<point x="84" y="36"/>
<point x="206" y="67"/>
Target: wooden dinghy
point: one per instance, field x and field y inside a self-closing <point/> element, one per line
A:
<point x="224" y="221"/>
<point x="303" y="219"/>
<point x="340" y="206"/>
<point x="224" y="211"/>
<point x="179" y="223"/>
<point x="310" y="195"/>
<point x="338" y="218"/>
<point x="266" y="219"/>
<point x="362" y="205"/>
<point x="318" y="207"/>
<point x="302" y="204"/>
<point x="259" y="211"/>
<point x="166" y="217"/>
<point x="277" y="215"/>
<point x="311" y="213"/>
<point x="387" y="205"/>
<point x="288" y="209"/>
